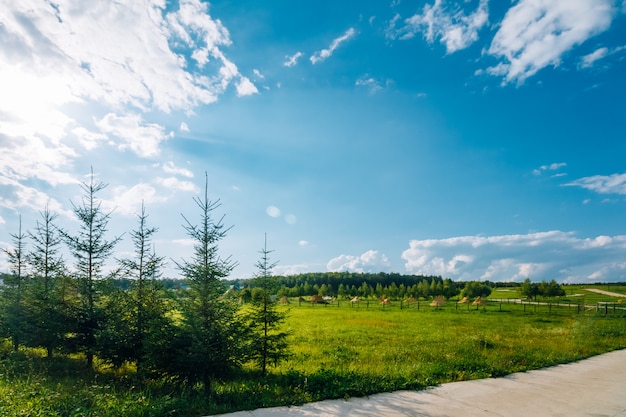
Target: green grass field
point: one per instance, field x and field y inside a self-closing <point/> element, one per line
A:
<point x="338" y="351"/>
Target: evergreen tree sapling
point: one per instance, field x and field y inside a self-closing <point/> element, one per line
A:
<point x="47" y="305"/>
<point x="134" y="315"/>
<point x="14" y="285"/>
<point x="267" y="342"/>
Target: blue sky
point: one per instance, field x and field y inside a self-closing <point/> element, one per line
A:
<point x="469" y="139"/>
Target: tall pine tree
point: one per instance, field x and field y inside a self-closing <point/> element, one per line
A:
<point x="209" y="319"/>
<point x="90" y="250"/>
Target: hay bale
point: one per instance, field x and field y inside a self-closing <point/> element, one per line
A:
<point x="438" y="302"/>
<point x="479" y="301"/>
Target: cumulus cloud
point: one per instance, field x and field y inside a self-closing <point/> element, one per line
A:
<point x="535" y="34"/>
<point x="370" y="261"/>
<point x="447" y="23"/>
<point x="602" y="184"/>
<point x="303" y="243"/>
<point x="245" y="87"/>
<point x="292" y="60"/>
<point x="141" y="137"/>
<point x="322" y="55"/>
<point x="539" y="256"/>
<point x="121" y="61"/>
<point x="44" y="162"/>
<point x="15" y="196"/>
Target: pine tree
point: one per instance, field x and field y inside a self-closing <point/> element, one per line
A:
<point x="47" y="308"/>
<point x="268" y="343"/>
<point x="14" y="287"/>
<point x="90" y="250"/>
<point x="134" y="314"/>
<point x="209" y="320"/>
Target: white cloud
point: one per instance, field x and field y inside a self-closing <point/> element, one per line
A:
<point x="128" y="201"/>
<point x="449" y="24"/>
<point x="141" y="137"/>
<point x="2" y="221"/>
<point x="183" y="127"/>
<point x="286" y="270"/>
<point x="589" y="59"/>
<point x="552" y="167"/>
<point x="88" y="139"/>
<point x="273" y="211"/>
<point x="539" y="256"/>
<point x="322" y="55"/>
<point x="170" y="168"/>
<point x="115" y="58"/>
<point x="370" y="83"/>
<point x="370" y="261"/>
<point x="535" y="34"/>
<point x="245" y="87"/>
<point x="602" y="184"/>
<point x="15" y="196"/>
<point x="176" y="184"/>
<point x="46" y="161"/>
<point x="292" y="60"/>
<point x="258" y="74"/>
<point x="303" y="243"/>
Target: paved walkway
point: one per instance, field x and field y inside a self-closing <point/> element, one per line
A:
<point x="592" y="387"/>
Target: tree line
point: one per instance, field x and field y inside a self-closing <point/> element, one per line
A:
<point x="395" y="286"/>
<point x="194" y="333"/>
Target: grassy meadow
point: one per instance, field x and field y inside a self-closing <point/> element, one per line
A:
<point x="338" y="350"/>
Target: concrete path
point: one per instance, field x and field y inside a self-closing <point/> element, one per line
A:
<point x="592" y="387"/>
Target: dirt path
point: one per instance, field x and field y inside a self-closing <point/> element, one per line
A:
<point x="612" y="294"/>
<point x="592" y="387"/>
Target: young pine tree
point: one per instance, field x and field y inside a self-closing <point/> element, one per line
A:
<point x="90" y="250"/>
<point x="13" y="291"/>
<point x="210" y="324"/>
<point x="135" y="314"/>
<point x="47" y="306"/>
<point x="267" y="342"/>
